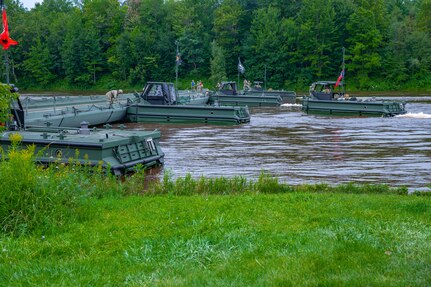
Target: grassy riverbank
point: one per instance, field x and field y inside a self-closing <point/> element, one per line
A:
<point x="297" y="239"/>
<point x="83" y="228"/>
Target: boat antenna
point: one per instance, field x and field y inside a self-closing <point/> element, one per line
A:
<point x="264" y="86"/>
<point x="344" y="71"/>
<point x="177" y="62"/>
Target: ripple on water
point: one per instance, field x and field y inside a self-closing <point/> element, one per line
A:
<point x="299" y="148"/>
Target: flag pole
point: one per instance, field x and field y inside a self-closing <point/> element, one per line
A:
<point x="6" y="62"/>
<point x="176" y="67"/>
<point x="344" y="72"/>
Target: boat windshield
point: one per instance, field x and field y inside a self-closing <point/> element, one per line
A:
<point x="325" y="87"/>
<point x="173" y="94"/>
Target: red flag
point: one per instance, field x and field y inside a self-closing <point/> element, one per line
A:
<point x="339" y="78"/>
<point x="5" y="40"/>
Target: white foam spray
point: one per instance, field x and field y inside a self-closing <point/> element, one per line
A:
<point x="291" y="105"/>
<point x="420" y="115"/>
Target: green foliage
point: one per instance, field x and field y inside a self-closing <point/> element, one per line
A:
<point x="192" y="37"/>
<point x="37" y="200"/>
<point x="364" y="56"/>
<point x="387" y="42"/>
<point x="39" y="64"/>
<point x="6" y="96"/>
<point x="228" y="32"/>
<point x="264" y="184"/>
<point x="29" y="199"/>
<point x="270" y="42"/>
<point x="423" y="19"/>
<point x="218" y="64"/>
<point x="317" y="36"/>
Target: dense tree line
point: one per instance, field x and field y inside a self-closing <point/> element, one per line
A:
<point x="100" y="43"/>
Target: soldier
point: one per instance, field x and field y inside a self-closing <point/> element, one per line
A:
<point x="113" y="95"/>
<point x="246" y="85"/>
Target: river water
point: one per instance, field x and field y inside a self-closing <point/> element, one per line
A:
<point x="299" y="148"/>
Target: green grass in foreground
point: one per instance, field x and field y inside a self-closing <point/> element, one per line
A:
<point x="301" y="239"/>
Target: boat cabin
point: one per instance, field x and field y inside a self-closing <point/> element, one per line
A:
<point x="326" y="90"/>
<point x="159" y="93"/>
<point x="228" y="88"/>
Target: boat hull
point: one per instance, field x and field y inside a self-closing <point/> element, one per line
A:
<point x="72" y="117"/>
<point x="116" y="150"/>
<point x="192" y="98"/>
<point x="245" y="100"/>
<point x="353" y="108"/>
<point x="187" y="114"/>
<point x="287" y="97"/>
<point x="31" y="102"/>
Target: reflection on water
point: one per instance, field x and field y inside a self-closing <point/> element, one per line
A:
<point x="298" y="148"/>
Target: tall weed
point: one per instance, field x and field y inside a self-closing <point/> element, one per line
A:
<point x="36" y="199"/>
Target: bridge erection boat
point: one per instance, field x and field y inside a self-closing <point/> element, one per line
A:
<point x="288" y="97"/>
<point x="329" y="98"/>
<point x="228" y="95"/>
<point x="70" y="111"/>
<point x="72" y="116"/>
<point x="159" y="103"/>
<point x="117" y="150"/>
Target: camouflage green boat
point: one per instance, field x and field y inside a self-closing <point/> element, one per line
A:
<point x="116" y="150"/>
<point x="53" y="101"/>
<point x="70" y="111"/>
<point x="228" y="95"/>
<point x="72" y="116"/>
<point x="160" y="103"/>
<point x="329" y="98"/>
<point x="288" y="97"/>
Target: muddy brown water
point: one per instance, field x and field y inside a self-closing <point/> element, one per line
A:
<point x="299" y="148"/>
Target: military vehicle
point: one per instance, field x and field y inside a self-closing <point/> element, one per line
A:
<point x="228" y="95"/>
<point x="72" y="116"/>
<point x="52" y="101"/>
<point x="288" y="97"/>
<point x="193" y="98"/>
<point x="117" y="150"/>
<point x="329" y="98"/>
<point x="70" y="111"/>
<point x="160" y="103"/>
